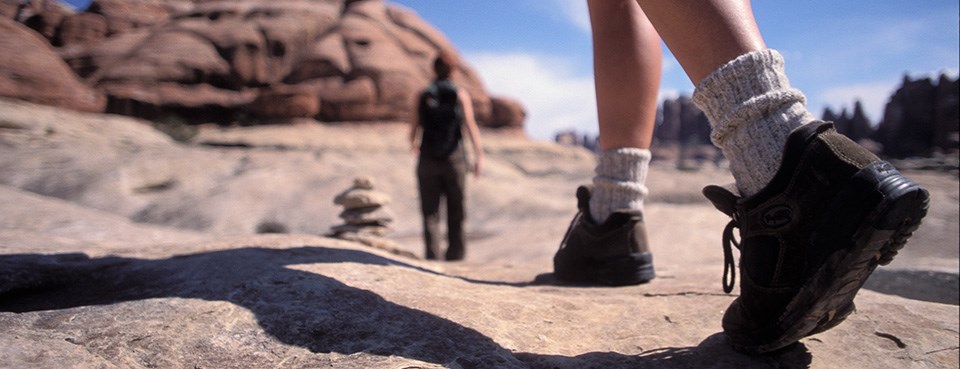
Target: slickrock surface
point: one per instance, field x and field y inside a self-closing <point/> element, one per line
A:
<point x="122" y="249"/>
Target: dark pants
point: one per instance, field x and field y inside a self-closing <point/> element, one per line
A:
<point x="441" y="178"/>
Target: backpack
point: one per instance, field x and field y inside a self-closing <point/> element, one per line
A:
<point x="440" y="116"/>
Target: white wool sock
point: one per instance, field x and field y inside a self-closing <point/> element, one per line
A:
<point x="620" y="181"/>
<point x="752" y="109"/>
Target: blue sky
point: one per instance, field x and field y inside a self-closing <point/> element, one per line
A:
<point x="836" y="51"/>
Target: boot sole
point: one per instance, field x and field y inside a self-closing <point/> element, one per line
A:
<point x="629" y="270"/>
<point x="898" y="206"/>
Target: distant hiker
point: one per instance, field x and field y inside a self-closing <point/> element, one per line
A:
<point x="816" y="212"/>
<point x="444" y="112"/>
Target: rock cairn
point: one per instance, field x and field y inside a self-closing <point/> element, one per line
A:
<point x="365" y="212"/>
<point x="366" y="217"/>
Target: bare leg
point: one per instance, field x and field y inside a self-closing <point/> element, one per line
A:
<point x="627" y="65"/>
<point x="703" y="35"/>
<point x="802" y="277"/>
<point x="742" y="87"/>
<point x="627" y="60"/>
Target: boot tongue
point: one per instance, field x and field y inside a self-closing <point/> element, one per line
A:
<point x="722" y="197"/>
<point x="583" y="197"/>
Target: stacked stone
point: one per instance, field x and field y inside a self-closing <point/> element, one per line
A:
<point x="365" y="212"/>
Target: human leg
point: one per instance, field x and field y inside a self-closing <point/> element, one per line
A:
<point x="430" y="191"/>
<point x="703" y="35"/>
<point x="741" y="86"/>
<point x="455" y="180"/>
<point x="606" y="242"/>
<point x="816" y="212"/>
<point x="627" y="61"/>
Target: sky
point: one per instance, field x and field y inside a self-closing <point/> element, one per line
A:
<point x="836" y="51"/>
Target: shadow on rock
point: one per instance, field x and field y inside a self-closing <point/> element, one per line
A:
<point x="297" y="307"/>
<point x="307" y="309"/>
<point x="713" y="352"/>
<point x="924" y="285"/>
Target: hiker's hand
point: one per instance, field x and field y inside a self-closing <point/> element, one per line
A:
<point x="478" y="167"/>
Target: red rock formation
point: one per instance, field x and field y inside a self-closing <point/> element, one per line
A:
<point x="81" y="29"/>
<point x="125" y="15"/>
<point x="682" y="121"/>
<point x="9" y="8"/>
<point x="217" y="60"/>
<point x="46" y="21"/>
<point x="286" y="102"/>
<point x="507" y="113"/>
<point x="30" y="70"/>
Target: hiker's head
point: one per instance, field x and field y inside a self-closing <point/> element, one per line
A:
<point x="444" y="65"/>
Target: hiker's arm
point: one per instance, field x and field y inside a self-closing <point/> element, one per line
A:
<point x="415" y="127"/>
<point x="472" y="131"/>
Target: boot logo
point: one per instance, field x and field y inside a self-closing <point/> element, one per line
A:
<point x="777" y="216"/>
<point x="884" y="167"/>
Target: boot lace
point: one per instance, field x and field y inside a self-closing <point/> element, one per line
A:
<point x="729" y="268"/>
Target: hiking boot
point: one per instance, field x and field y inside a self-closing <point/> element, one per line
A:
<point x="809" y="240"/>
<point x="614" y="253"/>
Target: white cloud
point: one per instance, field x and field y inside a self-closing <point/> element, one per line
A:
<point x="873" y="96"/>
<point x="575" y="11"/>
<point x="555" y="98"/>
<point x="555" y="95"/>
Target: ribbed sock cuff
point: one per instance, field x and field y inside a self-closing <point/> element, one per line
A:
<point x="620" y="181"/>
<point x="752" y="110"/>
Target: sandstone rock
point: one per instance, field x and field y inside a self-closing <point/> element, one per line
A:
<point x="506" y="113"/>
<point x="360" y="229"/>
<point x="169" y="56"/>
<point x="946" y="136"/>
<point x="375" y="215"/>
<point x="365" y="213"/>
<point x="921" y="116"/>
<point x="81" y="29"/>
<point x="125" y="15"/>
<point x="683" y="122"/>
<point x="357" y="198"/>
<point x="363" y="183"/>
<point x="466" y="77"/>
<point x="10" y="9"/>
<point x="46" y="22"/>
<point x="365" y="60"/>
<point x="269" y="301"/>
<point x="346" y="101"/>
<point x="860" y="127"/>
<point x="378" y="242"/>
<point x="181" y="101"/>
<point x="240" y="43"/>
<point x="325" y="58"/>
<point x="373" y="52"/>
<point x="683" y="134"/>
<point x="83" y="285"/>
<point x="288" y="28"/>
<point x="30" y="70"/>
<point x="279" y="102"/>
